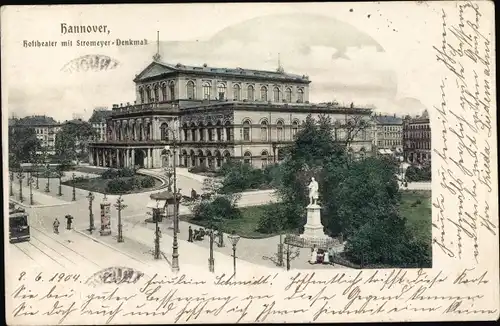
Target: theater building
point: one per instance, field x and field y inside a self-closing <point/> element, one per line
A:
<point x="212" y="115"/>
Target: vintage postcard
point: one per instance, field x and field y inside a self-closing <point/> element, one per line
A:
<point x="250" y="163"/>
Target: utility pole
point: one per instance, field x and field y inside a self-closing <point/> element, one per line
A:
<point x="119" y="206"/>
<point x="11" y="192"/>
<point x="30" y="181"/>
<point x="59" y="175"/>
<point x="156" y="218"/>
<point x="20" y="177"/>
<point x="73" y="183"/>
<point x="47" y="170"/>
<point x="91" y="198"/>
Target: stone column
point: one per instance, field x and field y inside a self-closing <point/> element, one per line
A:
<point x="90" y="157"/>
<point x="98" y="158"/>
<point x="110" y="158"/>
<point x="132" y="158"/>
<point x="117" y="158"/>
<point x="150" y="156"/>
<point x="126" y="158"/>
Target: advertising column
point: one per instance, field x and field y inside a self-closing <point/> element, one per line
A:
<point x="105" y="217"/>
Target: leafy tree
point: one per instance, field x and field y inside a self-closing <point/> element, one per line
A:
<point x="360" y="198"/>
<point x="23" y="145"/>
<point x="72" y="140"/>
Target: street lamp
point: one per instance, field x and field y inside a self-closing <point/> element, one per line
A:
<point x="156" y="218"/>
<point x="175" y="244"/>
<point x="274" y="151"/>
<point x="169" y="173"/>
<point x="11" y="193"/>
<point x="59" y="175"/>
<point x="91" y="198"/>
<point x="234" y="238"/>
<point x="20" y="177"/>
<point x="37" y="175"/>
<point x="30" y="181"/>
<point x="119" y="206"/>
<point x="73" y="184"/>
<point x="47" y="170"/>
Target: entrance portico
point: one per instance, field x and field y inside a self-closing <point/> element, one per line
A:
<point x="125" y="157"/>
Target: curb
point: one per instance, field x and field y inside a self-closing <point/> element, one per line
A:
<point x="111" y="247"/>
<point x="38" y="206"/>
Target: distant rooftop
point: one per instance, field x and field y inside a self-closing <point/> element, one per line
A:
<point x="277" y="75"/>
<point x="387" y="119"/>
<point x="37" y="120"/>
<point x="100" y="115"/>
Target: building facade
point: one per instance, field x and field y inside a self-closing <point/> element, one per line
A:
<point x="98" y="122"/>
<point x="210" y="116"/>
<point x="417" y="139"/>
<point x="45" y="128"/>
<point x="388" y="134"/>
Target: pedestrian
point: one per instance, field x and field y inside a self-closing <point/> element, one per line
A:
<point x="193" y="193"/>
<point x="190" y="234"/>
<point x="56" y="226"/>
<point x="69" y="220"/>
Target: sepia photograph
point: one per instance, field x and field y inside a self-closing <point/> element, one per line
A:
<point x="255" y="143"/>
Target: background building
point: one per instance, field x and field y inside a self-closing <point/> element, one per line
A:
<point x="98" y="122"/>
<point x="216" y="115"/>
<point x="45" y="128"/>
<point x="417" y="139"/>
<point x="388" y="135"/>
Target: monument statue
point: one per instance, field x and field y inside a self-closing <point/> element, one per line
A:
<point x="313" y="191"/>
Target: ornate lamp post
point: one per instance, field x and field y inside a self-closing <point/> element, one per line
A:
<point x="37" y="175"/>
<point x="73" y="184"/>
<point x="11" y="192"/>
<point x="91" y="198"/>
<point x="20" y="177"/>
<point x="169" y="173"/>
<point x="234" y="238"/>
<point x="175" y="245"/>
<point x="119" y="206"/>
<point x="47" y="170"/>
<point x="156" y="218"/>
<point x="30" y="181"/>
<point x="60" y="175"/>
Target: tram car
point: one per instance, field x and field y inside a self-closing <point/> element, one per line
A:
<point x="19" y="229"/>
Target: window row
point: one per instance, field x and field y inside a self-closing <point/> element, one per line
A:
<point x="150" y="94"/>
<point x="264" y="130"/>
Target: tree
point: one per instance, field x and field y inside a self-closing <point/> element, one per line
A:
<point x="360" y="198"/>
<point x="23" y="145"/>
<point x="72" y="140"/>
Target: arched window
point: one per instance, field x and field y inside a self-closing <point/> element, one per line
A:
<point x="193" y="132"/>
<point x="300" y="95"/>
<point x="164" y="131"/>
<point x="229" y="131"/>
<point x="263" y="93"/>
<point x="221" y="90"/>
<point x="150" y="95"/>
<point x="206" y="91"/>
<point x="201" y="132"/>
<point x="210" y="131"/>
<point x="164" y="91"/>
<point x="250" y="93"/>
<point x="190" y="90"/>
<point x="246" y="130"/>
<point x="263" y="130"/>
<point x="141" y="95"/>
<point x="236" y="92"/>
<point x="185" y="131"/>
<point x="247" y="158"/>
<point x="295" y="129"/>
<point x="157" y="93"/>
<point x="264" y="158"/>
<point x="279" y="130"/>
<point x="288" y="94"/>
<point x="171" y="88"/>
<point x="276" y="94"/>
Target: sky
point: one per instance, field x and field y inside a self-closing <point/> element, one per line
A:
<point x="377" y="55"/>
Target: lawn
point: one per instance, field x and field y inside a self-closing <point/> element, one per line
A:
<point x="419" y="217"/>
<point x="100" y="184"/>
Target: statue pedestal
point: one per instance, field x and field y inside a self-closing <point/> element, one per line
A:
<point x="313" y="230"/>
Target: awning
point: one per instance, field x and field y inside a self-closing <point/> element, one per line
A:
<point x="157" y="204"/>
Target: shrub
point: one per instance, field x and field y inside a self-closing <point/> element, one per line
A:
<point x="109" y="174"/>
<point x="220" y="207"/>
<point x="200" y="169"/>
<point x="126" y="172"/>
<point x="271" y="221"/>
<point x="148" y="182"/>
<point x="117" y="186"/>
